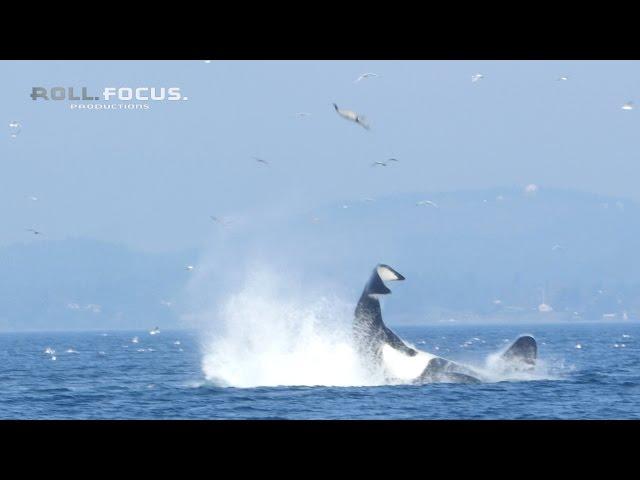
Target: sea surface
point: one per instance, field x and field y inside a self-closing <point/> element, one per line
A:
<point x="587" y="371"/>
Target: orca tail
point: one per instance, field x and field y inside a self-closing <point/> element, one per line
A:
<point x="523" y="350"/>
<point x="382" y="273"/>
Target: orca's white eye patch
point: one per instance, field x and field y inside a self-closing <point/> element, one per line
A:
<point x="388" y="274"/>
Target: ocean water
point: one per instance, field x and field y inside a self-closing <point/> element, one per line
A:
<point x="106" y="376"/>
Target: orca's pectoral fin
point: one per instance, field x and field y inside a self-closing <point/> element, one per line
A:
<point x="441" y="370"/>
<point x="523" y="350"/>
<point x="394" y="341"/>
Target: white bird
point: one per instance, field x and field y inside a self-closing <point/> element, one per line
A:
<point x="563" y="78"/>
<point x="376" y="164"/>
<point x="134" y="340"/>
<point x="627" y="106"/>
<point x="35" y="232"/>
<point x="15" y="128"/>
<point x="35" y="199"/>
<point x="476" y="77"/>
<point x="189" y="267"/>
<point x="260" y="160"/>
<point x="352" y="116"/>
<point x="424" y="203"/>
<point x="557" y="247"/>
<point x="207" y="61"/>
<point x="365" y="75"/>
<point x="303" y="114"/>
<point x="393" y="160"/>
<point x="155" y="331"/>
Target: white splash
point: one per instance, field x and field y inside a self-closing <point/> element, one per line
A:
<point x="402" y="367"/>
<point x="264" y="337"/>
<point x="496" y="369"/>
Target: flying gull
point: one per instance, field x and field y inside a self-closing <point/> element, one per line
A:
<point x="15" y="128"/>
<point x="424" y="203"/>
<point x="365" y="75"/>
<point x="476" y="77"/>
<point x="221" y="221"/>
<point x="260" y="160"/>
<point x="352" y="116"/>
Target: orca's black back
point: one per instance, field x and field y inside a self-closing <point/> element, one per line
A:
<point x="524" y="349"/>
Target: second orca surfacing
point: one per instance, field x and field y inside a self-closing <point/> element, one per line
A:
<point x="376" y="342"/>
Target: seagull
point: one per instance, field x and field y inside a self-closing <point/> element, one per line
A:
<point x="366" y="75"/>
<point x="627" y="106"/>
<point x="303" y="114"/>
<point x="221" y="221"/>
<point x="260" y="160"/>
<point x="207" y="61"/>
<point x="424" y="203"/>
<point x="189" y="268"/>
<point x="393" y="160"/>
<point x="15" y="128"/>
<point x="557" y="247"/>
<point x="476" y="77"/>
<point x="35" y="199"/>
<point x="563" y="78"/>
<point x="368" y="199"/>
<point x="155" y="331"/>
<point x="35" y="232"/>
<point x="375" y="164"/>
<point x="352" y="116"/>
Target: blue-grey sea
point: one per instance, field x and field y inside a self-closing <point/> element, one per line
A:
<point x="588" y="371"/>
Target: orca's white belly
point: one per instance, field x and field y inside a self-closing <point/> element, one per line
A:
<point x="403" y="367"/>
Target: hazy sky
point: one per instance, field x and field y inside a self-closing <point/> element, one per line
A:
<point x="150" y="179"/>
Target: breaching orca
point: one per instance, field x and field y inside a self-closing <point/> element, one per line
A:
<point x="371" y="336"/>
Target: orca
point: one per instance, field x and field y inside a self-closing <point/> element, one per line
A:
<point x="372" y="338"/>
